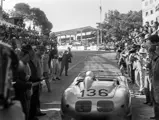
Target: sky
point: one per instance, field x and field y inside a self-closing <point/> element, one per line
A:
<point x="70" y="14"/>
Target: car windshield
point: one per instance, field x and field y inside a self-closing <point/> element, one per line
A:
<point x="101" y="74"/>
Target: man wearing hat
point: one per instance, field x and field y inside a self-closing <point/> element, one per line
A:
<point x="53" y="63"/>
<point x="132" y="59"/>
<point x="35" y="79"/>
<point x="154" y="56"/>
<point x="65" y="63"/>
<point x="37" y="60"/>
<point x="141" y="63"/>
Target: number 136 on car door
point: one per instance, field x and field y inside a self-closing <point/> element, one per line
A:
<point x="94" y="93"/>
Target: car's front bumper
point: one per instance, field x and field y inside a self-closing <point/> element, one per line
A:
<point x="117" y="113"/>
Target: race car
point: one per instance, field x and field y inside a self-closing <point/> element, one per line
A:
<point x="106" y="96"/>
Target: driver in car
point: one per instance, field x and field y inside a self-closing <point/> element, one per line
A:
<point x="89" y="79"/>
<point x="90" y="74"/>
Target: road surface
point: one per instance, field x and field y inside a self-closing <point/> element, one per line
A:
<point x="50" y="102"/>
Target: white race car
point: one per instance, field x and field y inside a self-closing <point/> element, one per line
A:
<point x="107" y="96"/>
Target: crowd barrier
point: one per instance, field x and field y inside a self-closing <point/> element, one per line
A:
<point x="78" y="48"/>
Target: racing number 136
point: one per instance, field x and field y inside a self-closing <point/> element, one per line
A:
<point x="93" y="92"/>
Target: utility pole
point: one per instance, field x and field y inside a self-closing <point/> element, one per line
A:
<point x="100" y="26"/>
<point x="98" y="37"/>
<point x="1" y="10"/>
<point x="98" y="34"/>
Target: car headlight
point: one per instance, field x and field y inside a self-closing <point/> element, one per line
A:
<point x="105" y="106"/>
<point x="83" y="106"/>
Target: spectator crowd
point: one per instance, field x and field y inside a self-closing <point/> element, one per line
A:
<point x="40" y="62"/>
<point x="138" y="57"/>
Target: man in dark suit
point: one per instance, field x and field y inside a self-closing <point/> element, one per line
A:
<point x="34" y="78"/>
<point x="65" y="62"/>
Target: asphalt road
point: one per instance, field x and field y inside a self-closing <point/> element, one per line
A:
<point x="50" y="102"/>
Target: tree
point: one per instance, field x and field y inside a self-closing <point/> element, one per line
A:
<point x="35" y="14"/>
<point x="38" y="16"/>
<point x="40" y="19"/>
<point x="119" y="24"/>
<point x="5" y="15"/>
<point x="47" y="26"/>
<point x="21" y="10"/>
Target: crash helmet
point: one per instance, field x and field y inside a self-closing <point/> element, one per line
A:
<point x="8" y="66"/>
<point x="90" y="74"/>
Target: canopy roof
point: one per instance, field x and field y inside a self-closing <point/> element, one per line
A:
<point x="75" y="31"/>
